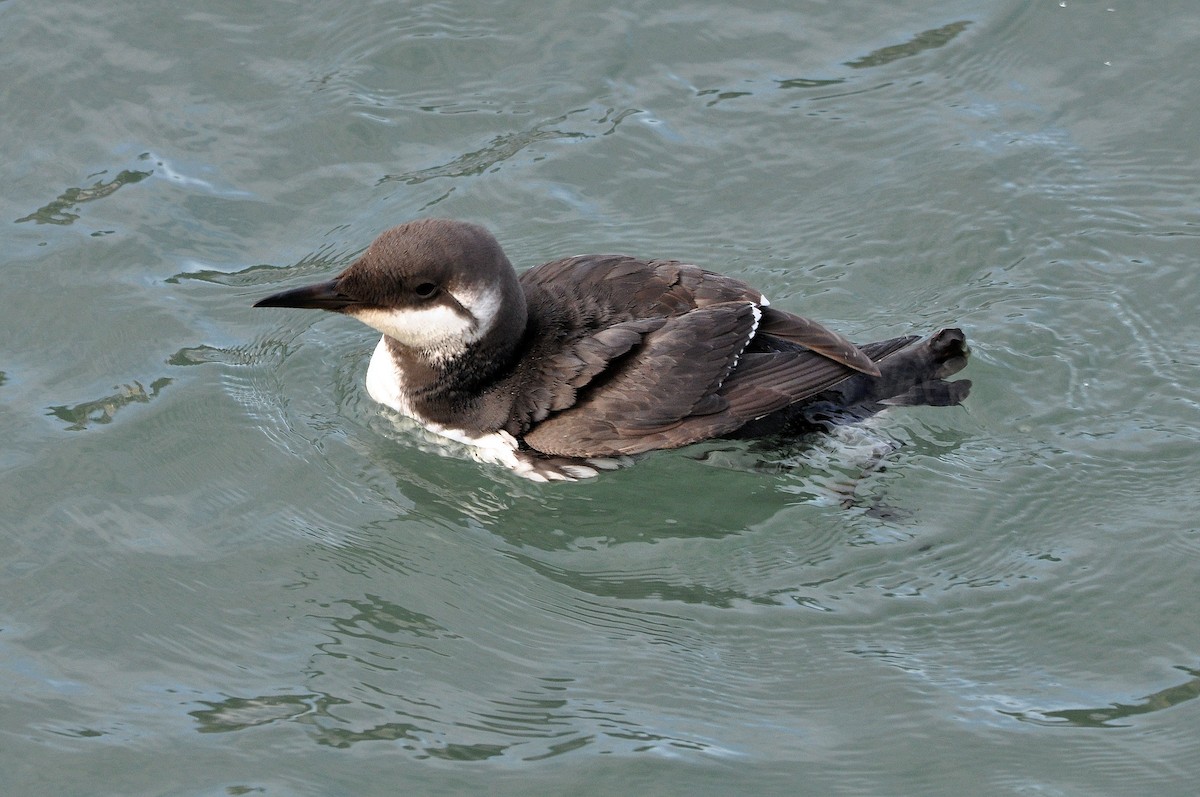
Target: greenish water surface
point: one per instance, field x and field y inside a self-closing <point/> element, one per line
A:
<point x="224" y="571"/>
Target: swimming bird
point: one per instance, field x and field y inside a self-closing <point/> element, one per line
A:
<point x="578" y="363"/>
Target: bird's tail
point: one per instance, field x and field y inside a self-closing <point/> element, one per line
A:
<point x="912" y="373"/>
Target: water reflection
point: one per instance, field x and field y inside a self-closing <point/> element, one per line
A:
<point x="808" y="83"/>
<point x="241" y="713"/>
<point x="372" y="618"/>
<point x="325" y="259"/>
<point x="926" y="40"/>
<point x="500" y="148"/>
<point x="60" y="211"/>
<point x="531" y="727"/>
<point x="1111" y="716"/>
<point x="104" y="409"/>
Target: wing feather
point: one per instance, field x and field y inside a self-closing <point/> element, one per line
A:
<point x="674" y="375"/>
<point x="669" y="354"/>
<point x="814" y="336"/>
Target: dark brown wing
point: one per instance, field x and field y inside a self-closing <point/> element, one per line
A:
<point x="646" y="399"/>
<point x="553" y="378"/>
<point x="625" y="288"/>
<point x="639" y="355"/>
<point x="618" y="288"/>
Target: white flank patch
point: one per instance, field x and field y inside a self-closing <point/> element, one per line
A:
<point x="497" y="448"/>
<point x="501" y="448"/>
<point x="763" y="301"/>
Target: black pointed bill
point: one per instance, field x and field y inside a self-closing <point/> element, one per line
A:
<point x="321" y="296"/>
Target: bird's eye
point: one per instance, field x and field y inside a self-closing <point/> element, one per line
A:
<point x="425" y="290"/>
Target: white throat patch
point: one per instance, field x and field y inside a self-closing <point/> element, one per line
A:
<point x="438" y="330"/>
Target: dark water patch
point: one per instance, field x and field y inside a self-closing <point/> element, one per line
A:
<point x="241" y="713"/>
<point x="1117" y="715"/>
<point x="926" y="40"/>
<point x="103" y="410"/>
<point x="505" y="147"/>
<point x="62" y="210"/>
<point x="323" y="260"/>
<point x="808" y="83"/>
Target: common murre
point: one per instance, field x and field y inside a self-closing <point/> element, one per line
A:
<point x="579" y="361"/>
